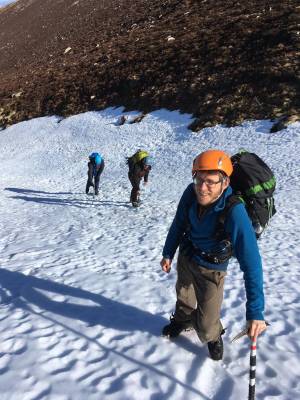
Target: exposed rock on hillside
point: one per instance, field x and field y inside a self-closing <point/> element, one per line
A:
<point x="223" y="61"/>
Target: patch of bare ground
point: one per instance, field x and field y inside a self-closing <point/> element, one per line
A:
<point x="222" y="61"/>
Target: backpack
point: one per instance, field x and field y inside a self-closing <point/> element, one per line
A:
<point x="95" y="158"/>
<point x="253" y="183"/>
<point x="137" y="157"/>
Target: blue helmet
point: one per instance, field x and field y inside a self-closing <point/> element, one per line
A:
<point x="96" y="158"/>
<point x="148" y="160"/>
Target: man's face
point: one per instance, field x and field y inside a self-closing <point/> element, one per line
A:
<point x="209" y="186"/>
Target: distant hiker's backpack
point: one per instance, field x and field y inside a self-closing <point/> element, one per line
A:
<point x="95" y="158"/>
<point x="254" y="183"/>
<point x="137" y="157"/>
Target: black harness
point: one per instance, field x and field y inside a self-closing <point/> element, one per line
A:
<point x="223" y="251"/>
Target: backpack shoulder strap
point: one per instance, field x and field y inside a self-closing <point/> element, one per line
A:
<point x="189" y="202"/>
<point x="231" y="201"/>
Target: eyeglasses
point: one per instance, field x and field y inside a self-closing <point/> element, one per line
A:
<point x="208" y="182"/>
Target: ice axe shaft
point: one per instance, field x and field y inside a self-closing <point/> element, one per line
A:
<point x="252" y="371"/>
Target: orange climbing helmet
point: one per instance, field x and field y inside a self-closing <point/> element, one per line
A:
<point x="213" y="160"/>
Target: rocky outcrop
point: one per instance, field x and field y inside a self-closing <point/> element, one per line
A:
<point x="222" y="61"/>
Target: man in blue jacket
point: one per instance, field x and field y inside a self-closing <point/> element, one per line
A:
<point x="204" y="252"/>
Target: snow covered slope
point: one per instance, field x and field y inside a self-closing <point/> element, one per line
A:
<point x="82" y="295"/>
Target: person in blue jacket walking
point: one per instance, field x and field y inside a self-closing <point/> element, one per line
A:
<point x="204" y="253"/>
<point x="95" y="169"/>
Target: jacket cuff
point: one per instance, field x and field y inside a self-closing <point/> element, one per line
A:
<point x="259" y="316"/>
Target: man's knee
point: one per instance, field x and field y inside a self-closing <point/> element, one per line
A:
<point x="208" y="329"/>
<point x="186" y="295"/>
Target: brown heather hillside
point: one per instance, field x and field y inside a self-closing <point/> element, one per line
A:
<point x="222" y="61"/>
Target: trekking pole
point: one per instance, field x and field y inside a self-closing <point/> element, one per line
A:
<point x="252" y="370"/>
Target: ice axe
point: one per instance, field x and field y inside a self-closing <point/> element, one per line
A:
<point x="252" y="366"/>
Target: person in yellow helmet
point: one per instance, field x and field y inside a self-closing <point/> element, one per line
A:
<point x="139" y="166"/>
<point x="204" y="253"/>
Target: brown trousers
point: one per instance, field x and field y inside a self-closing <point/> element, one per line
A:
<point x="199" y="298"/>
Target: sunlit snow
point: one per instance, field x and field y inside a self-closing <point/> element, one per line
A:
<point x="83" y="298"/>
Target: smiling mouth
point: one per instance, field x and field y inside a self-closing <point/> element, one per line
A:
<point x="203" y="194"/>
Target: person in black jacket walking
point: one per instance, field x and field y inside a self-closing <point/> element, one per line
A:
<point x="139" y="168"/>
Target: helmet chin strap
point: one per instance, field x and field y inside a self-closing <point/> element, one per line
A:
<point x="217" y="198"/>
<point x="221" y="188"/>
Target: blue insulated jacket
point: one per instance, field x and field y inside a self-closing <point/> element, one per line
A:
<point x="201" y="231"/>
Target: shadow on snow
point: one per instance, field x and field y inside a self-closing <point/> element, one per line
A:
<point x="22" y="291"/>
<point x="51" y="198"/>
